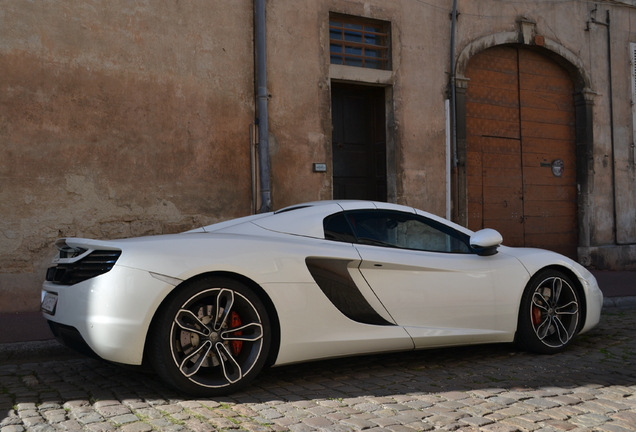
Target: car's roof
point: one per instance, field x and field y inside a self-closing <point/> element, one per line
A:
<point x="306" y="219"/>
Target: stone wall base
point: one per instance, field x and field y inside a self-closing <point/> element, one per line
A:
<point x="612" y="257"/>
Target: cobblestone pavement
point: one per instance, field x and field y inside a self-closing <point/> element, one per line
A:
<point x="590" y="387"/>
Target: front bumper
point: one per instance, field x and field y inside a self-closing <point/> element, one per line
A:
<point x="112" y="312"/>
<point x="594" y="304"/>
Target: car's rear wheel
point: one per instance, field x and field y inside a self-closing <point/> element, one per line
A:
<point x="211" y="338"/>
<point x="550" y="313"/>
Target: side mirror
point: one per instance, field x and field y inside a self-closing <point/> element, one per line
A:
<point x="486" y="241"/>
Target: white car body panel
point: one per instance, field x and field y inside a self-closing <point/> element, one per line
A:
<point x="427" y="299"/>
<point x="112" y="312"/>
<point x="536" y="259"/>
<point x="444" y="299"/>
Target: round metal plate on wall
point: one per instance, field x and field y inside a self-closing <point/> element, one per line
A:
<point x="558" y="167"/>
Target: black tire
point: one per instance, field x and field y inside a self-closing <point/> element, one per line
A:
<point x="550" y="313"/>
<point x="211" y="338"/>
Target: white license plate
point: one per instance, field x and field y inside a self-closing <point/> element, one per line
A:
<point x="48" y="303"/>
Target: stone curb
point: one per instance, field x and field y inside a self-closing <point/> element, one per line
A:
<point x="619" y="302"/>
<point x="35" y="352"/>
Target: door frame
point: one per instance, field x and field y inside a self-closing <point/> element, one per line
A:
<point x="584" y="122"/>
<point x="390" y="132"/>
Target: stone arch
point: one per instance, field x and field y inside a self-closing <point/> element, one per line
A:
<point x="583" y="101"/>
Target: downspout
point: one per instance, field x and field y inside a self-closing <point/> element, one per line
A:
<point x="611" y="108"/>
<point x="262" y="97"/>
<point x="452" y="81"/>
<point x="453" y="120"/>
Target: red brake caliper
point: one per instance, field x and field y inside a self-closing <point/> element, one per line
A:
<point x="235" y="321"/>
<point x="536" y="316"/>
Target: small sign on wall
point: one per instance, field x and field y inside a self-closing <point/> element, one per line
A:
<point x="320" y="167"/>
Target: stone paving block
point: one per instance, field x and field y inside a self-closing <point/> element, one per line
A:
<point x="611" y="427"/>
<point x="199" y="426"/>
<point x="384" y="421"/>
<point x="364" y="415"/>
<point x="521" y="424"/>
<point x="589" y="420"/>
<point x="301" y="427"/>
<point x="476" y="421"/>
<point x="171" y="409"/>
<point x="12" y="428"/>
<point x="560" y="425"/>
<point x="626" y="416"/>
<point x="55" y="416"/>
<point x="221" y="423"/>
<point x="124" y="419"/>
<point x="565" y="400"/>
<point x="112" y="410"/>
<point x="136" y="427"/>
<point x="320" y="410"/>
<point x="541" y="403"/>
<point x="511" y="412"/>
<point x="25" y="406"/>
<point x="317" y="422"/>
<point x="454" y="396"/>
<point x="421" y="426"/>
<point x="100" y="427"/>
<point x="358" y="423"/>
<point x="594" y="407"/>
<point x="400" y="428"/>
<point x="535" y="417"/>
<point x="502" y="400"/>
<point x="615" y="405"/>
<point x="270" y="414"/>
<point x="70" y="425"/>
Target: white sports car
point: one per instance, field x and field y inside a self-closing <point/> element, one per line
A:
<point x="209" y="308"/>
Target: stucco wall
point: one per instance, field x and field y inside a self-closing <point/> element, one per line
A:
<point x="121" y="119"/>
<point x="118" y="119"/>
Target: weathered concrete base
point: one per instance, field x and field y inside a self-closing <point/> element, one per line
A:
<point x="613" y="257"/>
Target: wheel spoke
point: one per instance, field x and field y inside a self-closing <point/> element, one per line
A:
<point x="571" y="308"/>
<point x="231" y="369"/>
<point x="189" y="322"/>
<point x="557" y="286"/>
<point x="562" y="332"/>
<point x="224" y="303"/>
<point x="541" y="302"/>
<point x="543" y="329"/>
<point x="202" y="352"/>
<point x="255" y="329"/>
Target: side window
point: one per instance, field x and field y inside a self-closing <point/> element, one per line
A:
<point x="337" y="228"/>
<point x="406" y="231"/>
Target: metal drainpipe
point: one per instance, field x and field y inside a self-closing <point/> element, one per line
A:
<point x="262" y="99"/>
<point x="452" y="83"/>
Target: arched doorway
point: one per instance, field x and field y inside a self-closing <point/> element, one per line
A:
<point x="521" y="174"/>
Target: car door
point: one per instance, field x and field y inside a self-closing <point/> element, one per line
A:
<point x="427" y="277"/>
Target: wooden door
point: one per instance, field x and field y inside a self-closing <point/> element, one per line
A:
<point x="358" y="142"/>
<point x="521" y="156"/>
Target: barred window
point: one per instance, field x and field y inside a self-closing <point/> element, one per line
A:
<point x="359" y="42"/>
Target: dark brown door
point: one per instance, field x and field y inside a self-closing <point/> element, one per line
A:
<point x="359" y="142"/>
<point x="520" y="125"/>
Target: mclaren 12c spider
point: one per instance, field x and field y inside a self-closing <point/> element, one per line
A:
<point x="209" y="308"/>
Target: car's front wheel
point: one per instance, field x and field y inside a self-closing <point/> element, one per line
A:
<point x="550" y="313"/>
<point x="211" y="338"/>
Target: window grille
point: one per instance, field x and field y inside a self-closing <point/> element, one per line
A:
<point x="359" y="42"/>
